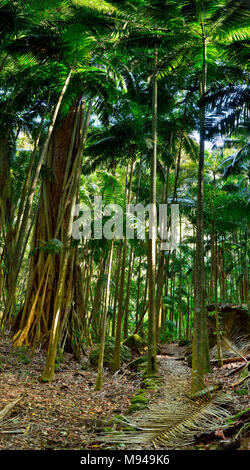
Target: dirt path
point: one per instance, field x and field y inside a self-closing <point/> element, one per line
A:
<point x="68" y="413"/>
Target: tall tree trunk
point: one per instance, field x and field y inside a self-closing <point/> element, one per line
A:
<point x="117" y="361"/>
<point x="104" y="324"/>
<point x="126" y="309"/>
<point x="152" y="361"/>
<point x="200" y="355"/>
<point x="95" y="314"/>
<point x="215" y="276"/>
<point x="119" y="256"/>
<point x="179" y="293"/>
<point x="138" y="293"/>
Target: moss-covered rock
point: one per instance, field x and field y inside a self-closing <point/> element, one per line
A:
<point x="136" y="343"/>
<point x="109" y="354"/>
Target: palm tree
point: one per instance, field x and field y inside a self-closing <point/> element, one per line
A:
<point x="211" y="25"/>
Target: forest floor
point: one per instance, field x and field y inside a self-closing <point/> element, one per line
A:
<point x="69" y="414"/>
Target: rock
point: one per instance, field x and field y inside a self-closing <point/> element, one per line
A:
<point x="232" y="317"/>
<point x="136" y="343"/>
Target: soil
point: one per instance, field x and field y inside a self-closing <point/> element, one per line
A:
<point x="69" y="414"/>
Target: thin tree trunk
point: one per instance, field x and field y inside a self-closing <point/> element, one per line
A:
<point x="126" y="309"/>
<point x="200" y="353"/>
<point x="117" y="361"/>
<point x="152" y="361"/>
<point x="217" y="319"/>
<point x="117" y="286"/>
<point x="104" y="324"/>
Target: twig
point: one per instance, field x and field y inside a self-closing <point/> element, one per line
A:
<point x="240" y="381"/>
<point x="8" y="408"/>
<point x="12" y="431"/>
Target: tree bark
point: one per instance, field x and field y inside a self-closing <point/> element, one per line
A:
<point x="104" y="324"/>
<point x="152" y="362"/>
<point x="200" y="355"/>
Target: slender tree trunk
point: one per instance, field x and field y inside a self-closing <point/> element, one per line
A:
<point x="152" y="361"/>
<point x="200" y="354"/>
<point x="104" y="324"/>
<point x="117" y="286"/>
<point x="138" y="293"/>
<point x="180" y="294"/>
<point x="95" y="314"/>
<point x="217" y="319"/>
<point x="117" y="361"/>
<point x="126" y="309"/>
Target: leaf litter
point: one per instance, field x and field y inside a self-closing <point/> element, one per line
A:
<point x="69" y="414"/>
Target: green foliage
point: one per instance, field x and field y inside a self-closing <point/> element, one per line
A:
<point x="53" y="247"/>
<point x="242" y="391"/>
<point x="109" y="353"/>
<point x="21" y="354"/>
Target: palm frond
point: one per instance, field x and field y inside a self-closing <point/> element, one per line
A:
<point x="175" y="426"/>
<point x="237" y="162"/>
<point x="236" y="345"/>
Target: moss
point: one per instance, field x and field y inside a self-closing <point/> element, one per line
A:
<point x="242" y="391"/>
<point x="84" y="367"/>
<point x="151" y="383"/>
<point x="19" y="350"/>
<point x="20" y="353"/>
<point x="239" y="415"/>
<point x="129" y="428"/>
<point x="139" y="399"/>
<point x="116" y="418"/>
<point x="136" y="407"/>
<point x="136" y="343"/>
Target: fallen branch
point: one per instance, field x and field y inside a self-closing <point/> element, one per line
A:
<point x="240" y="381"/>
<point x="12" y="431"/>
<point x="9" y="407"/>
<point x="227" y="360"/>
